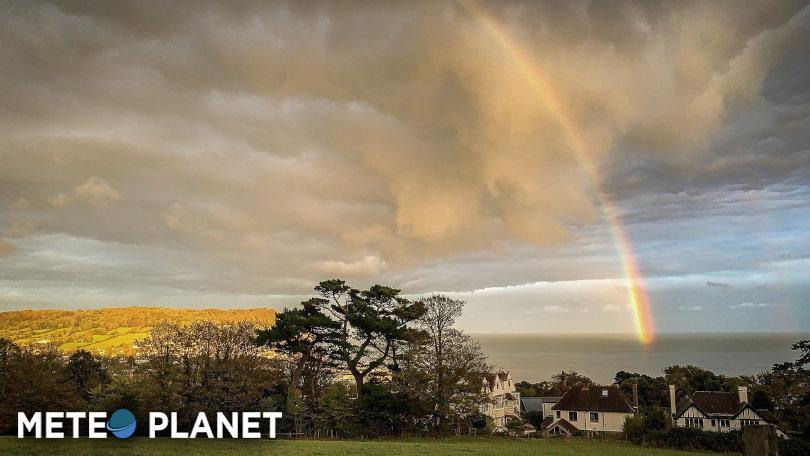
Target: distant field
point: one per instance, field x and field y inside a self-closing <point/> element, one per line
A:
<point x="111" y="331"/>
<point x="477" y="446"/>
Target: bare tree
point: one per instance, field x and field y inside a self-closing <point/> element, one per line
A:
<point x="446" y="342"/>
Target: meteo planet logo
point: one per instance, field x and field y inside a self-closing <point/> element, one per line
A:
<point x="122" y="423"/>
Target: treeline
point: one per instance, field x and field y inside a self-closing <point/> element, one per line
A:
<point x="188" y="369"/>
<point x="347" y="363"/>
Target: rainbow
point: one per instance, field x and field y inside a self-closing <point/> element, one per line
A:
<point x="534" y="76"/>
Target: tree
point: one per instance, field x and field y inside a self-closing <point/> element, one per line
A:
<point x="440" y="315"/>
<point x="787" y="386"/>
<point x="693" y="378"/>
<point x="803" y="347"/>
<point x="298" y="333"/>
<point x="652" y="391"/>
<point x="85" y="372"/>
<point x="461" y="394"/>
<point x="371" y="325"/>
<point x="204" y="367"/>
<point x="528" y="389"/>
<point x="562" y="382"/>
<point x="32" y="379"/>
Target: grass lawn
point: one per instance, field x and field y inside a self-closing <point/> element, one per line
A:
<point x="444" y="447"/>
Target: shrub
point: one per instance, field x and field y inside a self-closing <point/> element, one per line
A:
<point x="694" y="439"/>
<point x="634" y="428"/>
<point x="794" y="447"/>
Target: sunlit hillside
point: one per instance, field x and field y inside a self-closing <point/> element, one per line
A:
<point x="111" y="331"/>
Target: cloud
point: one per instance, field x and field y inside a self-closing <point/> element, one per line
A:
<point x="19" y="228"/>
<point x="752" y="305"/>
<point x="611" y="308"/>
<point x="6" y="249"/>
<point x="690" y="308"/>
<point x="364" y="267"/>
<point x="556" y="309"/>
<point x="720" y="285"/>
<point x="95" y="190"/>
<point x="19" y="204"/>
<point x="60" y="200"/>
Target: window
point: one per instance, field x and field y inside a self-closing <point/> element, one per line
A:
<point x="724" y="423"/>
<point x="558" y="413"/>
<point x="572" y="416"/>
<point x="594" y="417"/>
<point x="694" y="422"/>
<point x="744" y="423"/>
<point x="712" y="423"/>
<point x="604" y="393"/>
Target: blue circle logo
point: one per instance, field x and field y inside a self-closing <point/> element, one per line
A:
<point x="121" y="423"/>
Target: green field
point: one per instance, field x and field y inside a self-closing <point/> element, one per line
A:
<point x="445" y="447"/>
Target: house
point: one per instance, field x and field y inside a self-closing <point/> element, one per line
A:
<point x="717" y="411"/>
<point x="591" y="408"/>
<point x="503" y="401"/>
<point x="538" y="404"/>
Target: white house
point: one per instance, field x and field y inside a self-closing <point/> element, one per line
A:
<point x="717" y="411"/>
<point x="590" y="408"/>
<point x="504" y="401"/>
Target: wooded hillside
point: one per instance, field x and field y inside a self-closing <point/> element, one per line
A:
<point x="112" y="331"/>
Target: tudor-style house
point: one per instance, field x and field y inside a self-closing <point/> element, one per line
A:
<point x="717" y="411"/>
<point x="504" y="400"/>
<point x="590" y="408"/>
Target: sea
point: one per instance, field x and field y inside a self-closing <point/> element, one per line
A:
<point x="536" y="357"/>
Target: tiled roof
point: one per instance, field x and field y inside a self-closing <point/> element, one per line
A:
<point x="712" y="403"/>
<point x="565" y="424"/>
<point x="595" y="398"/>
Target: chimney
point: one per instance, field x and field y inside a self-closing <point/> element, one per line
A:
<point x="742" y="391"/>
<point x="635" y="396"/>
<point x="672" y="405"/>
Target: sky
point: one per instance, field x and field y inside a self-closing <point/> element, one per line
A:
<point x="233" y="154"/>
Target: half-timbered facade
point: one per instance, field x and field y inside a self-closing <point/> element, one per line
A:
<point x="717" y="411"/>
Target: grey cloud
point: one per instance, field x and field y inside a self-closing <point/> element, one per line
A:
<point x="720" y="285"/>
<point x="254" y="148"/>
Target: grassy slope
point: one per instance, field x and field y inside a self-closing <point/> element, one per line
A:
<point x="467" y="447"/>
<point x="111" y="331"/>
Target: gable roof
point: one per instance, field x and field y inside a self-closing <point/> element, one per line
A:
<point x="563" y="424"/>
<point x="714" y="404"/>
<point x="535" y="404"/>
<point x="490" y="378"/>
<point x="683" y="406"/>
<point x="594" y="398"/>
